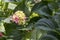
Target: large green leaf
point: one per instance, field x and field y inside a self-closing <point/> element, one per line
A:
<point x="42" y="9"/>
<point x="45" y="24"/>
<point x="48" y="37"/>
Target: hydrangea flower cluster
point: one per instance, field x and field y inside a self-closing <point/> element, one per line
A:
<point x="19" y="17"/>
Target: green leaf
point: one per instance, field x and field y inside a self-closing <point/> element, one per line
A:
<point x="48" y="37"/>
<point x="45" y="24"/>
<point x="2" y="28"/>
<point x="22" y="6"/>
<point x="11" y="6"/>
<point x="42" y="9"/>
<point x="57" y="19"/>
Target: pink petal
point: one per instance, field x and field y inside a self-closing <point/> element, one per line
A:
<point x="1" y="34"/>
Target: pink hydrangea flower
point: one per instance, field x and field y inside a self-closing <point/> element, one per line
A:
<point x="19" y="17"/>
<point x="1" y="34"/>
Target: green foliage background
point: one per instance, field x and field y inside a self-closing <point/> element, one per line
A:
<point x="43" y="21"/>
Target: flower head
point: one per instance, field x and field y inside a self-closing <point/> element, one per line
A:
<point x="19" y="17"/>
